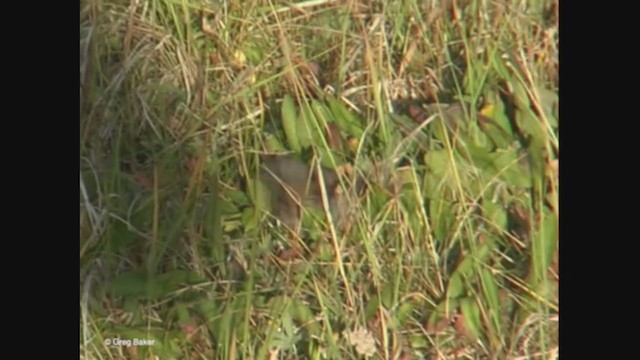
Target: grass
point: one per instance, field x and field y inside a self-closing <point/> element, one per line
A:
<point x="452" y="249"/>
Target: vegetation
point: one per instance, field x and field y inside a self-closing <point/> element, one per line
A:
<point x="452" y="251"/>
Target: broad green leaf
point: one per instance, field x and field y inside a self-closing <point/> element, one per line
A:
<point x="225" y="327"/>
<point x="262" y="202"/>
<point x="530" y="124"/>
<point x="472" y="319"/>
<point x="519" y="94"/>
<point x="438" y="163"/>
<point x="548" y="102"/>
<point x="227" y="207"/>
<point x="481" y="158"/>
<point x="131" y="304"/>
<point x="442" y="217"/>
<point x="207" y="308"/>
<point x="544" y="246"/>
<point x="129" y="284"/>
<point x="287" y="322"/>
<point x="495" y="213"/>
<point x="308" y="133"/>
<point x="379" y="199"/>
<point x="326" y="157"/>
<point x="290" y="123"/>
<point x="439" y="130"/>
<point x="387" y="295"/>
<point x="120" y="236"/>
<point x="273" y="144"/>
<point x="303" y="314"/>
<point x="139" y="284"/>
<point x="537" y="167"/>
<point x="182" y="311"/>
<point x="496" y="111"/>
<point x="479" y="137"/>
<point x="239" y="198"/>
<point x="507" y="164"/>
<point x="455" y="288"/>
<point x="490" y="290"/>
<point x="495" y="123"/>
<point x="419" y="342"/>
<point x="404" y="312"/>
<point x="346" y="120"/>
<point x="371" y="310"/>
<point x="497" y="135"/>
<point x="322" y="113"/>
<point x="467" y="268"/>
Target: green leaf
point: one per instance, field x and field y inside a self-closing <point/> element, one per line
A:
<point x="442" y="217"/>
<point x="519" y="93"/>
<point x="466" y="268"/>
<point x="129" y="284"/>
<point x="286" y="337"/>
<point x="438" y="163"/>
<point x="308" y="133"/>
<point x="455" y="288"/>
<point x="140" y="284"/>
<point x="239" y="198"/>
<point x="479" y="137"/>
<point x="498" y="136"/>
<point x="251" y="219"/>
<point x="507" y="164"/>
<point x="404" y="312"/>
<point x="548" y="102"/>
<point x="322" y="112"/>
<point x="273" y="144"/>
<point x="326" y="157"/>
<point x="490" y="290"/>
<point x="372" y="308"/>
<point x="530" y="124"/>
<point x="227" y="207"/>
<point x="120" y="235"/>
<point x="471" y="312"/>
<point x="387" y="295"/>
<point x="544" y="246"/>
<point x="346" y="120"/>
<point x="496" y="111"/>
<point x="289" y="122"/>
<point x="303" y="314"/>
<point x="182" y="311"/>
<point x="207" y="308"/>
<point x="495" y="214"/>
<point x="287" y="322"/>
<point x="439" y="130"/>
<point x="225" y="326"/>
<point x="480" y="157"/>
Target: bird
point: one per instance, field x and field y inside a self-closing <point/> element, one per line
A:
<point x="293" y="185"/>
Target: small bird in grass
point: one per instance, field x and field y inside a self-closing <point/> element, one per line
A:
<point x="294" y="185"/>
